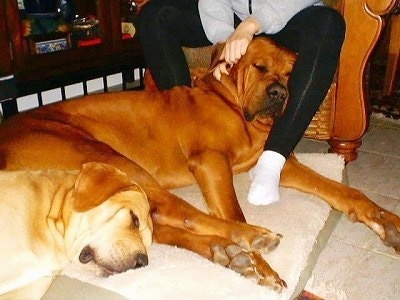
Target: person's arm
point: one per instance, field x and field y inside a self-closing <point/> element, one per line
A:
<point x="217" y="19"/>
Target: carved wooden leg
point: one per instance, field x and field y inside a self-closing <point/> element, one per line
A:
<point x="348" y="149"/>
<point x="351" y="115"/>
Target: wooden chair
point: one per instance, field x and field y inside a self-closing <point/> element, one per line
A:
<point x="343" y="117"/>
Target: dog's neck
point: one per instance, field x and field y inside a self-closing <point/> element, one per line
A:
<point x="225" y="87"/>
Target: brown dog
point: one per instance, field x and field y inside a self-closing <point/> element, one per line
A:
<point x="50" y="218"/>
<point x="172" y="138"/>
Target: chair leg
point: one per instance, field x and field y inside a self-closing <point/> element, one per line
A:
<point x="348" y="149"/>
<point x="393" y="62"/>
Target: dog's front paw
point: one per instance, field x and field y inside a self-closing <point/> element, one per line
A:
<point x="249" y="264"/>
<point x="388" y="228"/>
<point x="265" y="242"/>
<point x="383" y="222"/>
<point x="256" y="238"/>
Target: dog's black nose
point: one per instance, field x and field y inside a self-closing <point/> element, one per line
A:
<point x="141" y="260"/>
<point x="277" y="92"/>
<point x="86" y="255"/>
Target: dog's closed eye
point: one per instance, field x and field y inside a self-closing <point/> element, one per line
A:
<point x="135" y="220"/>
<point x="261" y="68"/>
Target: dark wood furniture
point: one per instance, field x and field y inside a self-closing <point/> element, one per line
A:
<point x="33" y="73"/>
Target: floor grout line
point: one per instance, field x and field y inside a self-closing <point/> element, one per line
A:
<point x="373" y="251"/>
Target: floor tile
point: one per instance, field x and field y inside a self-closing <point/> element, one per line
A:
<point x="311" y="146"/>
<point x="355" y="264"/>
<point x="383" y="140"/>
<point x="375" y="173"/>
<point x="348" y="272"/>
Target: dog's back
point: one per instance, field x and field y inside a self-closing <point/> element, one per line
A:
<point x="157" y="130"/>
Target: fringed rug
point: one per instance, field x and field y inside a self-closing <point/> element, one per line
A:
<point x="389" y="106"/>
<point x="305" y="222"/>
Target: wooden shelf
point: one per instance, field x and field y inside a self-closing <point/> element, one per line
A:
<point x="37" y="72"/>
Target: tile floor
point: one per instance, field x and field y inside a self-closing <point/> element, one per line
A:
<point x="355" y="264"/>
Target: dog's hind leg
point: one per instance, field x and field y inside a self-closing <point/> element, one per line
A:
<point x="348" y="200"/>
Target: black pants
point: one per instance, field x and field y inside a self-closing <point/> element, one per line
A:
<point x="315" y="33"/>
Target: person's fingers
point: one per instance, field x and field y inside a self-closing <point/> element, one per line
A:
<point x="222" y="57"/>
<point x="219" y="70"/>
<point x="228" y="50"/>
<point x="234" y="50"/>
<point x="217" y="73"/>
<point x="231" y="54"/>
<point x="223" y="69"/>
<point x="243" y="48"/>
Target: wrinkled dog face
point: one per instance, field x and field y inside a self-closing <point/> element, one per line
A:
<point x="114" y="236"/>
<point x="262" y="76"/>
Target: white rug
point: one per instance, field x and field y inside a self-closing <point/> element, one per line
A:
<point x="177" y="274"/>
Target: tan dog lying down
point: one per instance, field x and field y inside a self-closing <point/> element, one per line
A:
<point x="173" y="138"/>
<point x="51" y="218"/>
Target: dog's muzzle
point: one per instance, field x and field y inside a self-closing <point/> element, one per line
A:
<point x="274" y="104"/>
<point x="277" y="94"/>
<point x="114" y="264"/>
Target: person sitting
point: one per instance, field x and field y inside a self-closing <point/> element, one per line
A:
<point x="313" y="31"/>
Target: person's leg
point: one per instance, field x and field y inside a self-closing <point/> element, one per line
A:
<point x="164" y="27"/>
<point x="316" y="34"/>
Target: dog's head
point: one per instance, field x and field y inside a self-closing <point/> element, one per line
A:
<point x="261" y="77"/>
<point x="109" y="226"/>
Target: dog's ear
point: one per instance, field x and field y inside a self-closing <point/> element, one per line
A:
<point x="96" y="183"/>
<point x="215" y="55"/>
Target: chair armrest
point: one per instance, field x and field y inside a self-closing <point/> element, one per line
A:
<point x="364" y="25"/>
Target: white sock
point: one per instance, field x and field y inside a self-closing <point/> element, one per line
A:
<point x="265" y="177"/>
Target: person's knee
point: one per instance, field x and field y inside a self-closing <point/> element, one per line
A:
<point x="329" y="20"/>
<point x="157" y="12"/>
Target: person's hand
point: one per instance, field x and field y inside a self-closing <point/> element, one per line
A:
<point x="237" y="43"/>
<point x="236" y="46"/>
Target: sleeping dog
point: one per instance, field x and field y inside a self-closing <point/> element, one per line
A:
<point x="50" y="218"/>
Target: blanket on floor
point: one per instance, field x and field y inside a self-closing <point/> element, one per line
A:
<point x="175" y="273"/>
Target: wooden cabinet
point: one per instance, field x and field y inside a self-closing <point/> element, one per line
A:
<point x="35" y="72"/>
<point x="5" y="53"/>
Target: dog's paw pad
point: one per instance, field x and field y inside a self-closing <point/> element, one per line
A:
<point x="233" y="250"/>
<point x="392" y="237"/>
<point x="265" y="242"/>
<point x="241" y="263"/>
<point x="219" y="255"/>
<point x="387" y="226"/>
<point x="249" y="264"/>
